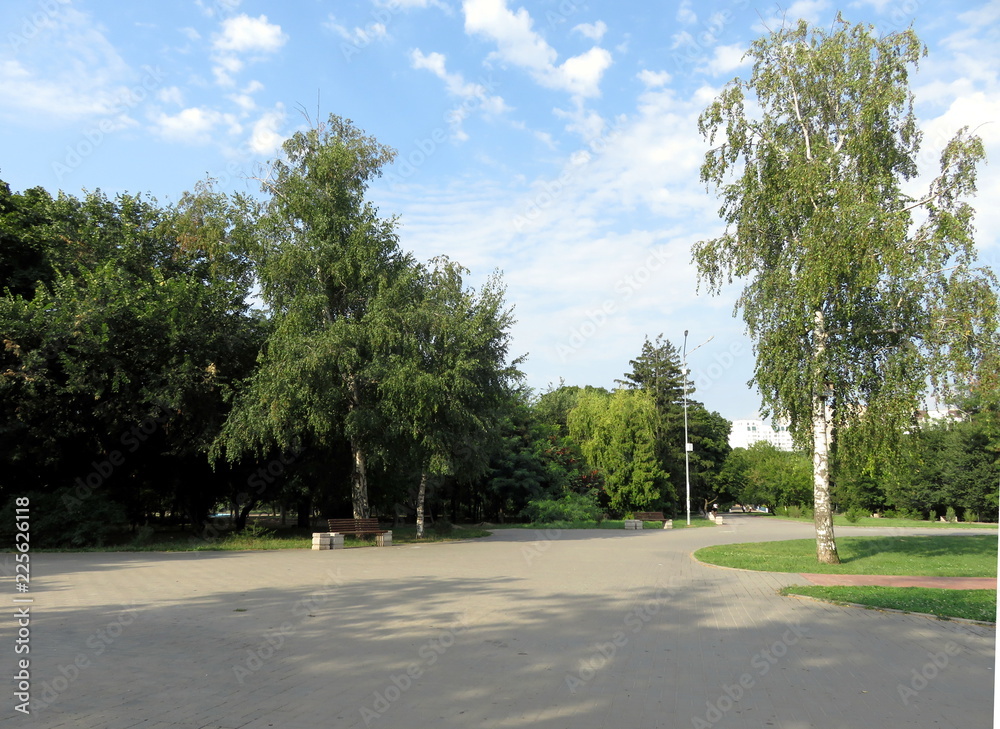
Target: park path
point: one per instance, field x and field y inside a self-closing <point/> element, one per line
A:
<point x="567" y="629"/>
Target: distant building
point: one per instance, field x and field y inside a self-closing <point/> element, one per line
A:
<point x="752" y="430"/>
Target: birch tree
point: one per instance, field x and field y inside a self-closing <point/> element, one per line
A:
<point x="448" y="379"/>
<point x="857" y="294"/>
<point x="330" y="268"/>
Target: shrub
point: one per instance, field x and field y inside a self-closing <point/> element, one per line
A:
<point x="442" y="527"/>
<point x="950" y="514"/>
<point x="933" y="515"/>
<point x="569" y="507"/>
<point x="62" y="520"/>
<point x="970" y="515"/>
<point x="855" y="514"/>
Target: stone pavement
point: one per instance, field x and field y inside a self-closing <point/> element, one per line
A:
<point x="573" y="629"/>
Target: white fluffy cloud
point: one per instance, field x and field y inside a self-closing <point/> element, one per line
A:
<point x="244" y="36"/>
<point x="473" y="95"/>
<point x="594" y="31"/>
<point x="265" y="138"/>
<point x="520" y="45"/>
<point x="194" y="125"/>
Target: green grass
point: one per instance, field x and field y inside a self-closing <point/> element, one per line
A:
<point x="968" y="604"/>
<point x="867" y="521"/>
<point x="946" y="555"/>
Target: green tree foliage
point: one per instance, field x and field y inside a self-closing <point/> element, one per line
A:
<point x="446" y="381"/>
<point x="856" y="294"/>
<point x="128" y="348"/>
<point x="770" y="477"/>
<point x="616" y="433"/>
<point x="333" y="276"/>
<point x="658" y="371"/>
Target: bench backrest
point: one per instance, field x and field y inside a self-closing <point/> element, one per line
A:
<point x="353" y="525"/>
<point x="650" y="516"/>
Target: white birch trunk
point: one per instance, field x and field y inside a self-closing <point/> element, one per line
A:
<point x="359" y="482"/>
<point x="826" y="546"/>
<point x="421" y="493"/>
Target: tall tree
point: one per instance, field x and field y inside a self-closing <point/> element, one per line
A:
<point x="331" y="272"/>
<point x="616" y="433"/>
<point x="447" y="380"/>
<point x="853" y="302"/>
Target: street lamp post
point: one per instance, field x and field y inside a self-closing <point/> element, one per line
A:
<point x="687" y="445"/>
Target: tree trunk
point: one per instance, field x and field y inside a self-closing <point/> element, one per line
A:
<point x="421" y="492"/>
<point x="826" y="546"/>
<point x="359" y="481"/>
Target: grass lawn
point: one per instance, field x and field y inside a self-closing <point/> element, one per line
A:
<point x="968" y="604"/>
<point x="867" y="521"/>
<point x="946" y="555"/>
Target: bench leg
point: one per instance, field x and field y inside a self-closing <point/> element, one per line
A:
<point x="383" y="540"/>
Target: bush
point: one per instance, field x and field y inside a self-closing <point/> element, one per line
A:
<point x="970" y="515"/>
<point x="62" y="520"/>
<point x="442" y="527"/>
<point x="950" y="514"/>
<point x="569" y="507"/>
<point x="932" y="516"/>
<point x="855" y="514"/>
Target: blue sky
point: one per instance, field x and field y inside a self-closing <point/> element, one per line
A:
<point x="554" y="140"/>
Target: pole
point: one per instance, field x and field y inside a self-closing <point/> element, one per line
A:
<point x="687" y="445"/>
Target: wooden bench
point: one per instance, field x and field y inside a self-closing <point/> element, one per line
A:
<point x="651" y="516"/>
<point x="357" y="527"/>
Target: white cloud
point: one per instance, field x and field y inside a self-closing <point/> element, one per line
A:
<point x="194" y="125"/>
<point x="811" y="11"/>
<point x="474" y="95"/>
<point x="358" y="36"/>
<point x="594" y="31"/>
<point x="214" y="8"/>
<point x="685" y="14"/>
<point x="70" y="71"/>
<point x="265" y="139"/>
<point x="653" y="79"/>
<point x="170" y="95"/>
<point x="241" y="34"/>
<point x="518" y="44"/>
<point x="726" y="59"/>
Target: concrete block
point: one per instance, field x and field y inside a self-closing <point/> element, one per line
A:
<point x="668" y="524"/>
<point x="383" y="540"/>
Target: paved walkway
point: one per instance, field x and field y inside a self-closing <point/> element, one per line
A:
<point x="574" y="630"/>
